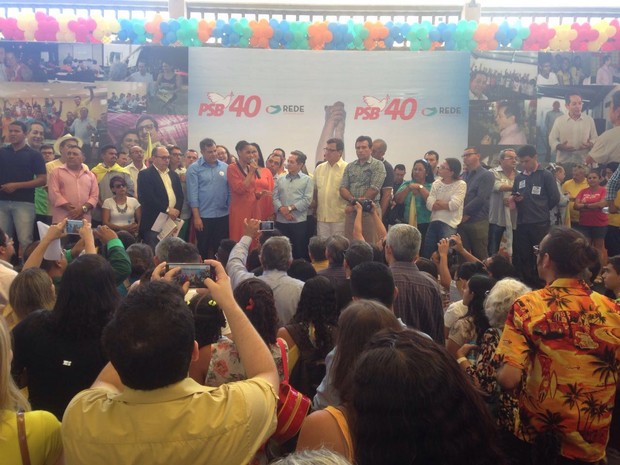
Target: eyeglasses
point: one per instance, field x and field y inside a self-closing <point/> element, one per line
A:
<point x="327" y="149"/>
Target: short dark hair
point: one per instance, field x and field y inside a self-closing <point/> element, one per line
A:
<point x="21" y="125"/>
<point x="105" y="148"/>
<point x="46" y="146"/>
<point x="207" y="142"/>
<point x="36" y="121"/>
<point x="301" y="157"/>
<point x="335" y="248"/>
<point x="572" y="93"/>
<point x="115" y="179"/>
<point x="301" y="269"/>
<point x="527" y="151"/>
<point x="426" y="265"/>
<point x="339" y="143"/>
<point x="150" y="339"/>
<point x="358" y="252"/>
<point x="432" y="152"/>
<point x="400" y="166"/>
<point x="510" y="109"/>
<point x="241" y="145"/>
<point x="374" y="281"/>
<point x="364" y="139"/>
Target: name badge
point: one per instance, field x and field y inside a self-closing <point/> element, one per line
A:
<point x="535" y="190"/>
<point x="522" y="184"/>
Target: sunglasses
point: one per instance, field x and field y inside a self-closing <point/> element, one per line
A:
<point x="116" y="186"/>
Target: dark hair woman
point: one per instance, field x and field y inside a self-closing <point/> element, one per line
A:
<point x="256" y="300"/>
<point x="311" y="335"/>
<point x="412" y="405"/>
<point x="67" y="355"/>
<point x="413" y="194"/>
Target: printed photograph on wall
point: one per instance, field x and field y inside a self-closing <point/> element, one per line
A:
<point x="129" y="129"/>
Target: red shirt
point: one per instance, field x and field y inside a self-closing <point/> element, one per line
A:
<point x="592" y="217"/>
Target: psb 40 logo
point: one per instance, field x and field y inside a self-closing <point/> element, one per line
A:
<point x="240" y="105"/>
<point x="397" y="108"/>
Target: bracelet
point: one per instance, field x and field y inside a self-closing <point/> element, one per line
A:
<point x="461" y="360"/>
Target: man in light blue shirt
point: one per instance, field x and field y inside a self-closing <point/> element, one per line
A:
<point x="292" y="195"/>
<point x="209" y="198"/>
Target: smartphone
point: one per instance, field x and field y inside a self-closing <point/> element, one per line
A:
<point x="73" y="226"/>
<point x="265" y="226"/>
<point x="195" y="273"/>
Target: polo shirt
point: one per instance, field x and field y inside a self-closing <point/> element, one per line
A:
<point x="184" y="423"/>
<point x="20" y="166"/>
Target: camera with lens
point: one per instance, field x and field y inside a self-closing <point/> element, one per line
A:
<point x="366" y="205"/>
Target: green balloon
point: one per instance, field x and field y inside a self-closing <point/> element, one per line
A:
<point x="415" y="45"/>
<point x="516" y="43"/>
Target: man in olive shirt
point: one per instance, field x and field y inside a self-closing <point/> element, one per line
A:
<point x="362" y="180"/>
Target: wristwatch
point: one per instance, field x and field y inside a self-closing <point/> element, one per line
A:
<point x="85" y="208"/>
<point x="290" y="209"/>
<point x="420" y="186"/>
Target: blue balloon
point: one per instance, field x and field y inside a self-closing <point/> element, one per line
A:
<point x="273" y="43"/>
<point x="174" y="25"/>
<point x="435" y="35"/>
<point x="234" y="38"/>
<point x="220" y="23"/>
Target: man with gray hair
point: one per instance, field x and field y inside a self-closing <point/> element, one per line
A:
<point x="418" y="303"/>
<point x="275" y="257"/>
<point x="501" y="218"/>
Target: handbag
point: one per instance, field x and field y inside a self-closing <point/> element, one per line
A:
<point x="293" y="406"/>
<point x="21" y="435"/>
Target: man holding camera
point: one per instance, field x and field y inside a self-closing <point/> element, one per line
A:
<point x="292" y="195"/>
<point x="362" y="180"/>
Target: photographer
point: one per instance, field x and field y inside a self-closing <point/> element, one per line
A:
<point x="360" y="207"/>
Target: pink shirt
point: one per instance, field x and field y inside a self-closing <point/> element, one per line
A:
<point x="76" y="188"/>
<point x="594" y="217"/>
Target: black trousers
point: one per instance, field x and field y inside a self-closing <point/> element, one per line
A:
<point x="526" y="236"/>
<point x="297" y="234"/>
<point x="213" y="231"/>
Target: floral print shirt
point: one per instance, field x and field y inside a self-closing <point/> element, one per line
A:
<point x="226" y="367"/>
<point x="566" y="339"/>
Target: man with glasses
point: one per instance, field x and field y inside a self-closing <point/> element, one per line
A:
<point x="147" y="126"/>
<point x="327" y="179"/>
<point x="159" y="191"/>
<point x="362" y="180"/>
<point x="474" y="226"/>
<point x="105" y="171"/>
<point x="501" y="217"/>
<point x="535" y="193"/>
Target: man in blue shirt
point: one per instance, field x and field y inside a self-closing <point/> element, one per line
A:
<point x="209" y="198"/>
<point x="292" y="195"/>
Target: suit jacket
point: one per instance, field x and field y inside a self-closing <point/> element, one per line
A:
<point x="153" y="196"/>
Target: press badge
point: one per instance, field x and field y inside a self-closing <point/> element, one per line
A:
<point x="522" y="184"/>
<point x="535" y="190"/>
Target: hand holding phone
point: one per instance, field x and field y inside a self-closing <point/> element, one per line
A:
<point x="194" y="273"/>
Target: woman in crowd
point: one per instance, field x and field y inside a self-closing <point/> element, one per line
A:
<point x="413" y="194"/>
<point x="472" y="326"/>
<point x="168" y="83"/>
<point x="458" y="309"/>
<point x="330" y="427"/>
<point x="121" y="212"/>
<point x="67" y="355"/>
<point x="484" y="370"/>
<point x="412" y="405"/>
<point x="445" y="201"/>
<point x="264" y="187"/>
<point x="41" y="429"/>
<point x="209" y="321"/>
<point x="32" y="289"/>
<point x="224" y="155"/>
<point x="311" y="335"/>
<point x="256" y="300"/>
<point x="592" y="219"/>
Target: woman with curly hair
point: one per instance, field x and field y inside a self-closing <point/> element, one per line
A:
<point x="356" y="325"/>
<point x="310" y="337"/>
<point x="61" y="350"/>
<point x="42" y="429"/>
<point x="412" y="405"/>
<point x="472" y="326"/>
<point x="256" y="300"/>
<point x="483" y="371"/>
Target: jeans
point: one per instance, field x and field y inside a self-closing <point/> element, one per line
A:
<point x="436" y="230"/>
<point x="495" y="237"/>
<point x="17" y="217"/>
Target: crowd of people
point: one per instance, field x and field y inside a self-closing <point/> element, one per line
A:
<point x="464" y="315"/>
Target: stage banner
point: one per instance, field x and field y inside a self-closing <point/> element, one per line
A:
<point x="297" y="100"/>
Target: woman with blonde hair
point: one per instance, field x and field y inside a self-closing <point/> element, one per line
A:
<point x="31" y="290"/>
<point x="41" y="429"/>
